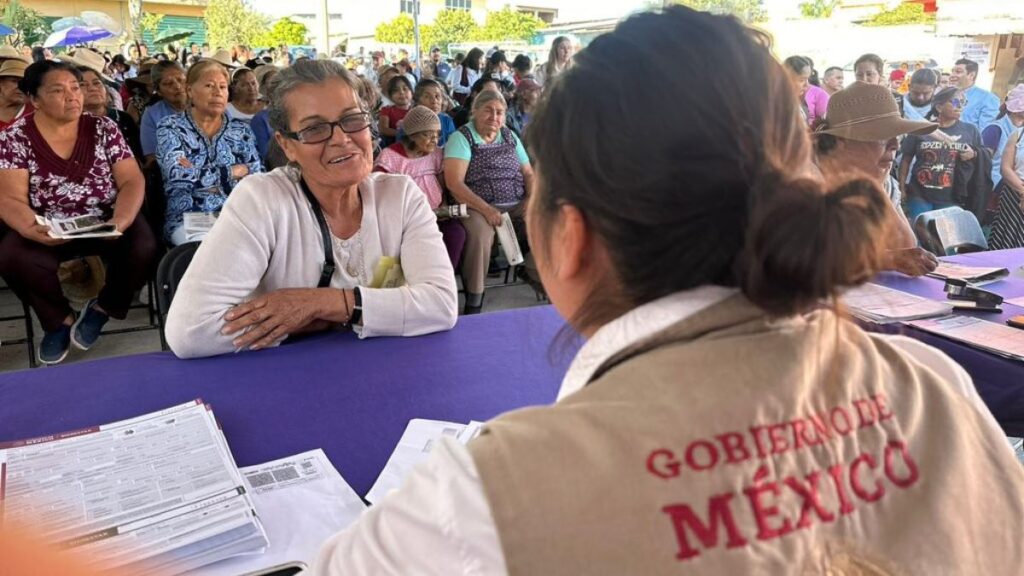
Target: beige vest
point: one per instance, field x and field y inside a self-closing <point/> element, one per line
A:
<point x="730" y="444"/>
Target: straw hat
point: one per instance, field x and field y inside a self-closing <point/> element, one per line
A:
<point x="224" y="57"/>
<point x="868" y="112"/>
<point x="8" y="52"/>
<point x="420" y="119"/>
<point x="88" y="59"/>
<point x="13" y="68"/>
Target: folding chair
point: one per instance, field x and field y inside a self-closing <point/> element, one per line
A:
<point x="959" y="233"/>
<point x="168" y="276"/>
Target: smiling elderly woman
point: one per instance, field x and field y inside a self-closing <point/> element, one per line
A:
<point x="318" y="244"/>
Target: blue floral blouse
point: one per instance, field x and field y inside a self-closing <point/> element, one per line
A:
<point x="197" y="170"/>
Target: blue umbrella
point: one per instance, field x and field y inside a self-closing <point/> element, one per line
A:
<point x="6" y="30"/>
<point x="76" y="35"/>
<point x="68" y="22"/>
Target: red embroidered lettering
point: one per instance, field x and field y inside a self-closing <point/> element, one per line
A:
<point x="845" y="420"/>
<point x="798" y="427"/>
<point x="855" y="484"/>
<point x="811" y="499"/>
<point x="777" y="433"/>
<point x="691" y="455"/>
<point x="912" y="473"/>
<point x="755" y="431"/>
<point x="820" y="428"/>
<point x="865" y="412"/>
<point x="764" y="512"/>
<point x="880" y="404"/>
<point x="734" y="446"/>
<point x="663" y="464"/>
<point x="836" y="472"/>
<point x="719" y="514"/>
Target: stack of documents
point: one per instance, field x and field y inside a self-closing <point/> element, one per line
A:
<point x="417" y="441"/>
<point x="157" y="493"/>
<point x="302" y="501"/>
<point x="884" y="305"/>
<point x="974" y="275"/>
<point x="996" y="338"/>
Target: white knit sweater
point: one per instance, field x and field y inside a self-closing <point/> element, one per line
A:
<point x="267" y="238"/>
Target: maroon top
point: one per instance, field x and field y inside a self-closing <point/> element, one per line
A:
<point x="59" y="188"/>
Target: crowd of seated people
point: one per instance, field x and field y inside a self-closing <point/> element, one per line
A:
<point x="201" y="130"/>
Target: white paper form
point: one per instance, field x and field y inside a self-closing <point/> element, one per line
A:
<point x="997" y="338"/>
<point x="414" y="447"/>
<point x="302" y="501"/>
<point x="884" y="305"/>
<point x="160" y="489"/>
<point x="975" y="275"/>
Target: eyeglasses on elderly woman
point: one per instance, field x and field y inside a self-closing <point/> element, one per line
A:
<point x="324" y="131"/>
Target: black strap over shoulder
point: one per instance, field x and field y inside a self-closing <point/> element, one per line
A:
<point x="325" y="234"/>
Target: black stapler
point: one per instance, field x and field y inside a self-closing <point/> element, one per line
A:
<point x="972" y="297"/>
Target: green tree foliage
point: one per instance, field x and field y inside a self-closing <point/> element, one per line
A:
<point x="230" y="22"/>
<point x="450" y="27"/>
<point x="902" y="15"/>
<point x="746" y="10"/>
<point x="29" y="27"/>
<point x="818" y="8"/>
<point x="509" y="24"/>
<point x="150" y="22"/>
<point x="286" y="31"/>
<point x="397" y="31"/>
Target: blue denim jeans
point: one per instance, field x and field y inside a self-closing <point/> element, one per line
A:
<point x="917" y="206"/>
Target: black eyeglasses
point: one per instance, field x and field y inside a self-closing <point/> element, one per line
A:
<point x="317" y="133"/>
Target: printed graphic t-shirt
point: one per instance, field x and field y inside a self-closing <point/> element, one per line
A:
<point x="935" y="160"/>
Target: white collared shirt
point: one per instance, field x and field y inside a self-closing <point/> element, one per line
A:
<point x="439" y="521"/>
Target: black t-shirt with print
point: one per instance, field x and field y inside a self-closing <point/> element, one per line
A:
<point x="935" y="160"/>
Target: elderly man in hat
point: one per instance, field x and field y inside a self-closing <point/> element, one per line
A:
<point x="13" y="104"/>
<point x="860" y="138"/>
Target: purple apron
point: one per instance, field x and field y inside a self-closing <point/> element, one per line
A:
<point x="494" y="173"/>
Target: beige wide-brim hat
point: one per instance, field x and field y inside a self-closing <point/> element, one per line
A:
<point x="13" y="68"/>
<point x="8" y="52"/>
<point x="143" y="75"/>
<point x="223" y="57"/>
<point x="88" y="59"/>
<point x="868" y="112"/>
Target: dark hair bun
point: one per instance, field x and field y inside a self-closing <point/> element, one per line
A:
<point x="805" y="243"/>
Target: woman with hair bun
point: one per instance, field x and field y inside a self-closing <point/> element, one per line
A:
<point x="723" y="416"/>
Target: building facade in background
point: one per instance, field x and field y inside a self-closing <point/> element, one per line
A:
<point x="178" y="14"/>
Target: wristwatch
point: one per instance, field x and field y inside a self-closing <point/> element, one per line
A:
<point x="357" y="307"/>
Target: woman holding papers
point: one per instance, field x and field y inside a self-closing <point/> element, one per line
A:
<point x="59" y="164"/>
<point x="722" y="416"/>
<point x="320" y="243"/>
<point x="487" y="168"/>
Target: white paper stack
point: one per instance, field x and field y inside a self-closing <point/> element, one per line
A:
<point x="160" y="492"/>
<point x="302" y="501"/>
<point x="972" y="274"/>
<point x="884" y="305"/>
<point x="414" y="447"/>
<point x="996" y="338"/>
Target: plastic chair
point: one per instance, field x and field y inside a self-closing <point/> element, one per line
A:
<point x="168" y="276"/>
<point x="958" y="233"/>
<point x="925" y="231"/>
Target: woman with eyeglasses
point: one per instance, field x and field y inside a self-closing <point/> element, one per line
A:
<point x="202" y="152"/>
<point x="935" y="163"/>
<point x="321" y="243"/>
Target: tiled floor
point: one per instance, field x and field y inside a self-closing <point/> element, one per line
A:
<point x="15" y="356"/>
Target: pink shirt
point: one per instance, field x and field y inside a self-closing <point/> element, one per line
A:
<point x="817" y="103"/>
<point x="425" y="171"/>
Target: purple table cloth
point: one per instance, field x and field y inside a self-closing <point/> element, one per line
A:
<point x="1000" y="381"/>
<point x="352" y="398"/>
